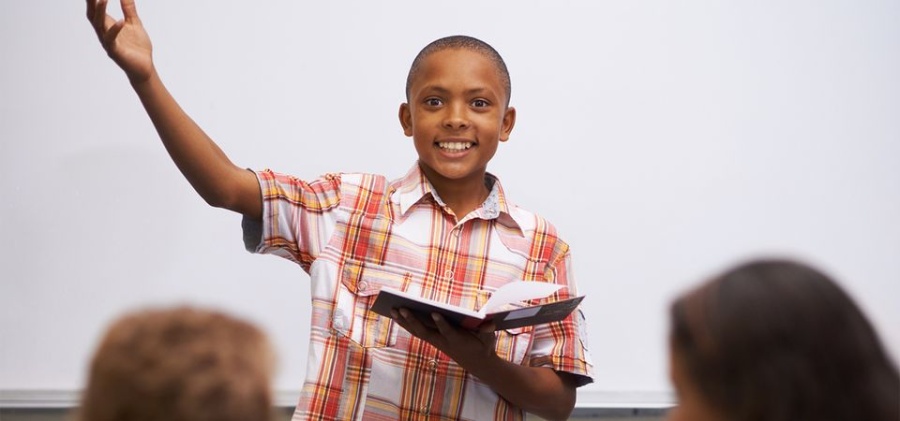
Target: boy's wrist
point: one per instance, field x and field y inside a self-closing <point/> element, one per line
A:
<point x="140" y="81"/>
<point x="485" y="366"/>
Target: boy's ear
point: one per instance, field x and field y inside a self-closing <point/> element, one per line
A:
<point x="405" y="119"/>
<point x="506" y="126"/>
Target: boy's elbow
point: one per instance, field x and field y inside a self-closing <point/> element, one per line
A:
<point x="562" y="411"/>
<point x="561" y="408"/>
<point x="555" y="414"/>
<point x="217" y="203"/>
<point x="245" y="204"/>
<point x="558" y="409"/>
<point x="222" y="199"/>
<point x="236" y="190"/>
<point x="216" y="199"/>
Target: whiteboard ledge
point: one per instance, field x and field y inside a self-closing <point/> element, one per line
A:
<point x="632" y="399"/>
<point x="38" y="398"/>
<point x="70" y="398"/>
<point x="586" y="399"/>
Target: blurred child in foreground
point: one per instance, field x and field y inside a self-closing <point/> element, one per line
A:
<point x="777" y="340"/>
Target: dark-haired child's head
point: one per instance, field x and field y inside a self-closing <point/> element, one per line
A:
<point x="777" y="340"/>
<point x="180" y="364"/>
<point x="462" y="42"/>
<point x="457" y="111"/>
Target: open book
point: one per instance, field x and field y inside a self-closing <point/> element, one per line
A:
<point x="500" y="308"/>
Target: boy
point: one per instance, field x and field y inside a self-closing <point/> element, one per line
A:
<point x="444" y="230"/>
<point x="180" y="364"/>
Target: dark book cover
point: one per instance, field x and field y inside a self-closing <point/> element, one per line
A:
<point x="505" y="319"/>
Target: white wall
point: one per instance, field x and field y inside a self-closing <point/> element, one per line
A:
<point x="665" y="139"/>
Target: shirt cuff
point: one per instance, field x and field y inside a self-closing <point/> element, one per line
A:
<point x="253" y="229"/>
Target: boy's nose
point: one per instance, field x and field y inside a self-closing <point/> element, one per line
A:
<point x="456" y="118"/>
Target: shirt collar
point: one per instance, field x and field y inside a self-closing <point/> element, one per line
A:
<point x="415" y="187"/>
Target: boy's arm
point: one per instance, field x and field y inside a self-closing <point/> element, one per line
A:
<point x="539" y="390"/>
<point x="206" y="167"/>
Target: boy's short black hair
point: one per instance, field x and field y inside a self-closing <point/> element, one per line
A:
<point x="467" y="43"/>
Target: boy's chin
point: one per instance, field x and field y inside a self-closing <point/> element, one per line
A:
<point x="454" y="175"/>
<point x="451" y="172"/>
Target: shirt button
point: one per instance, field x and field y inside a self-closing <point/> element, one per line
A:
<point x="432" y="365"/>
<point x="424" y="409"/>
<point x="448" y="273"/>
<point x="337" y="322"/>
<point x="362" y="285"/>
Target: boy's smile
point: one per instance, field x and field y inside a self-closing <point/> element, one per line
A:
<point x="457" y="115"/>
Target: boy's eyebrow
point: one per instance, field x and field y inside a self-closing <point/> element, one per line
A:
<point x="440" y="89"/>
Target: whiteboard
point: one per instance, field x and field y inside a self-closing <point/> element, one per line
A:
<point x="666" y="140"/>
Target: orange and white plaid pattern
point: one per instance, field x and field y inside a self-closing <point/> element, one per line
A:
<point x="355" y="233"/>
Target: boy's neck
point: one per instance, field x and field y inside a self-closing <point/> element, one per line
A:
<point x="461" y="196"/>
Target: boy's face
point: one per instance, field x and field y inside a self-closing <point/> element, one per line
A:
<point x="456" y="115"/>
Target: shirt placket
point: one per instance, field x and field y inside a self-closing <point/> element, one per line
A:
<point x="430" y="362"/>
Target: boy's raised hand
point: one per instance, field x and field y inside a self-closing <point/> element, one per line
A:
<point x="125" y="41"/>
<point x="206" y="167"/>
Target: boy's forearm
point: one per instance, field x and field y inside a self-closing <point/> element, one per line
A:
<point x="200" y="160"/>
<point x="538" y="390"/>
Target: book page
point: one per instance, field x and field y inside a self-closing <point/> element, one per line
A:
<point x="518" y="291"/>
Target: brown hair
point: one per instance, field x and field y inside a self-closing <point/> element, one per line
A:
<point x="777" y="340"/>
<point x="180" y="364"/>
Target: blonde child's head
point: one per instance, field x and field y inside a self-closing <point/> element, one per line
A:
<point x="180" y="364"/>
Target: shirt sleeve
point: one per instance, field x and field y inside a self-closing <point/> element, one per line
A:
<point x="563" y="345"/>
<point x="298" y="217"/>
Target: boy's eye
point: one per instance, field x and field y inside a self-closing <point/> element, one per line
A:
<point x="479" y="103"/>
<point x="433" y="102"/>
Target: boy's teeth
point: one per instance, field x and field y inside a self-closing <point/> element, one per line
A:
<point x="456" y="146"/>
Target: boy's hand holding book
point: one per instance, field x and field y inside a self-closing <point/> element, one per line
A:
<point x="492" y="312"/>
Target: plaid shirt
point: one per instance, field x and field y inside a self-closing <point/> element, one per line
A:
<point x="353" y="234"/>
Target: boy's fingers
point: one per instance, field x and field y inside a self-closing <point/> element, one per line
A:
<point x="99" y="14"/>
<point x="90" y="10"/>
<point x="488" y="337"/>
<point x="408" y="321"/>
<point x="129" y="9"/>
<point x="101" y="20"/>
<point x="442" y="325"/>
<point x="93" y="16"/>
